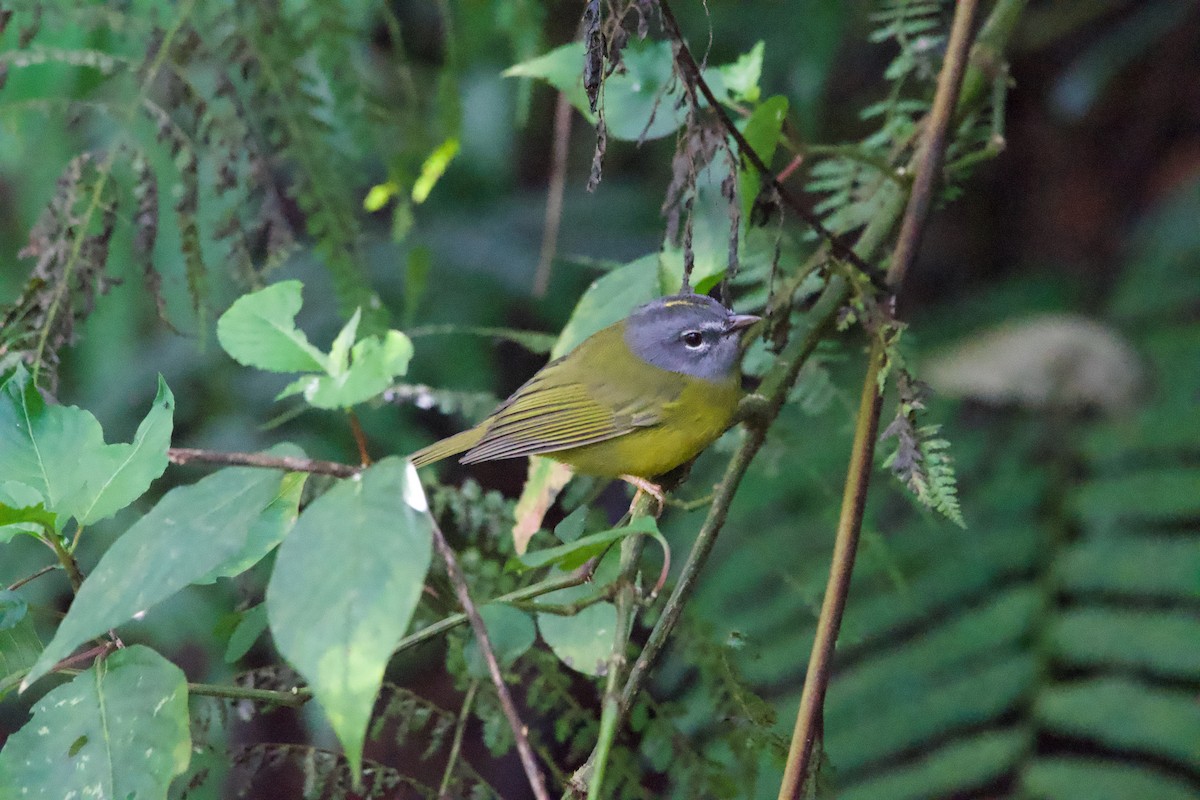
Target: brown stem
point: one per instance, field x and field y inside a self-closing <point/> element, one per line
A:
<point x="554" y="194"/>
<point x="48" y="568"/>
<point x="360" y="439"/>
<point x="520" y="735"/>
<point x="809" y="717"/>
<point x="74" y="574"/>
<point x="185" y="455"/>
<point x="927" y="163"/>
<point x="933" y="146"/>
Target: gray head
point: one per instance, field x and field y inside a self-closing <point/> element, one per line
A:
<point x="688" y="333"/>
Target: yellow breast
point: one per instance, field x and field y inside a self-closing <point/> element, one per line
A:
<point x="691" y="422"/>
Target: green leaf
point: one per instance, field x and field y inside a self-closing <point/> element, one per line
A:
<point x="1126" y="715"/>
<point x="19" y="649"/>
<point x="274" y="523"/>
<point x="1165" y="494"/>
<point x="118" y="474"/>
<point x="26" y="515"/>
<point x="583" y="641"/>
<point x="250" y="627"/>
<point x="956" y="701"/>
<point x="187" y="535"/>
<point x="339" y="351"/>
<point x="941" y="773"/>
<point x="762" y="134"/>
<point x="375" y="363"/>
<point x="738" y="82"/>
<point x="345" y="585"/>
<point x="120" y="729"/>
<point x="13" y="609"/>
<point x="1158" y="642"/>
<point x="259" y="330"/>
<point x="511" y="633"/>
<point x="574" y="554"/>
<point x="1161" y="567"/>
<point x="572" y="525"/>
<point x="641" y="101"/>
<point x="608" y="300"/>
<point x="59" y="452"/>
<point x="1094" y="779"/>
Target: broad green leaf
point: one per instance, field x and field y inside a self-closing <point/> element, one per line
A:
<point x="339" y="351"/>
<point x="762" y="134"/>
<point x="250" y="627"/>
<point x="609" y="299"/>
<point x="1145" y="495"/>
<point x="13" y="609"/>
<point x="120" y="729"/>
<point x="188" y="534"/>
<point x="1094" y="779"/>
<point x="59" y="452"/>
<point x="1158" y="642"/>
<point x="511" y="632"/>
<point x="929" y="660"/>
<point x="572" y="525"/>
<point x="954" y="701"/>
<point x="375" y="363"/>
<point x="966" y="762"/>
<point x="642" y="101"/>
<point x="574" y="554"/>
<point x="118" y="474"/>
<point x="24" y="515"/>
<point x="637" y="101"/>
<point x="345" y="585"/>
<point x="738" y="82"/>
<point x="583" y="641"/>
<point x="19" y="648"/>
<point x="1126" y="715"/>
<point x="1154" y="566"/>
<point x="269" y="529"/>
<point x="259" y="330"/>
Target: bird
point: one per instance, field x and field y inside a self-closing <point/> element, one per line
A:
<point x="633" y="401"/>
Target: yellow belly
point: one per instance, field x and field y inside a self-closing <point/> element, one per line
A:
<point x="701" y="413"/>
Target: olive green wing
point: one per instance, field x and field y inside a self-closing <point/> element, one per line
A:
<point x="545" y="416"/>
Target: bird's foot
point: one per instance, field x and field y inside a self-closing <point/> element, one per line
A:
<point x="652" y="489"/>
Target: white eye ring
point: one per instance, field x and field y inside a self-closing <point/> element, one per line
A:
<point x="692" y="339"/>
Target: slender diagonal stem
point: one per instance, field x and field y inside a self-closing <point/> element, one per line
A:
<point x="927" y="166"/>
<point x="185" y="455"/>
<point x="520" y="732"/>
<point x="456" y="743"/>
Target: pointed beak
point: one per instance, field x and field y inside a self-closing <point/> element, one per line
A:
<point x="739" y="322"/>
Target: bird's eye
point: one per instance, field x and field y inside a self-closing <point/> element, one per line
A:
<point x="693" y="339"/>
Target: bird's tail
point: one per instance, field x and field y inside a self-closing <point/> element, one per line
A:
<point x="449" y="446"/>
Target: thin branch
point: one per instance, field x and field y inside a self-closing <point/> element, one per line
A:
<point x="74" y="574"/>
<point x="576" y="578"/>
<point x="927" y="163"/>
<point x="809" y="718"/>
<point x="360" y="439"/>
<point x="933" y="145"/>
<point x="184" y="455"/>
<point x="292" y="698"/>
<point x="520" y="735"/>
<point x="626" y="603"/>
<point x="48" y="568"/>
<point x="554" y="194"/>
<point x="456" y="742"/>
<point x="693" y="80"/>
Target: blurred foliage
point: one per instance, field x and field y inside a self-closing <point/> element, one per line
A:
<point x="160" y="160"/>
